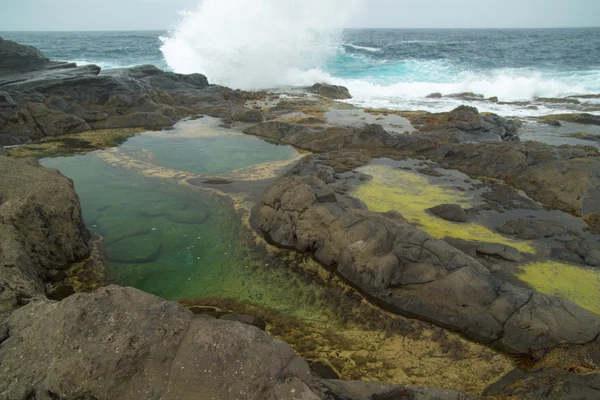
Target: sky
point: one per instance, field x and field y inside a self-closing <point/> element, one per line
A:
<point x="74" y="15"/>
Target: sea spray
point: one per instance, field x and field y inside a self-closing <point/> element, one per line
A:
<point x="251" y="44"/>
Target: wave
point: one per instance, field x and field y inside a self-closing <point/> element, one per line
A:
<point x="365" y="48"/>
<point x="252" y="44"/>
<point x="507" y="85"/>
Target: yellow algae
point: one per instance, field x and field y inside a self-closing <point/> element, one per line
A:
<point x="75" y="143"/>
<point x="578" y="284"/>
<point x="411" y="194"/>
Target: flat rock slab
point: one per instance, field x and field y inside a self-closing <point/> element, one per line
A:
<point x="450" y="212"/>
<point x="500" y="250"/>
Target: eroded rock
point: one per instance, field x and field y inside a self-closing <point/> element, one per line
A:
<point x="412" y="273"/>
<point x="41" y="230"/>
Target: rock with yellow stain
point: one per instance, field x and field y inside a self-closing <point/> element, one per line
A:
<point x="578" y="284"/>
<point x="412" y="273"/>
<point x="412" y="195"/>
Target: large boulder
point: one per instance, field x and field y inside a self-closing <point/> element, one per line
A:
<point x="411" y="273"/>
<point x="469" y="120"/>
<point x="18" y="57"/>
<point x="41" y="230"/>
<point x="330" y="91"/>
<point x="121" y="343"/>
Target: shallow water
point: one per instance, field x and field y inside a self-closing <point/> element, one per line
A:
<point x="172" y="240"/>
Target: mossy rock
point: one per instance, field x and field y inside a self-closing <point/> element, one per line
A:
<point x="75" y="143"/>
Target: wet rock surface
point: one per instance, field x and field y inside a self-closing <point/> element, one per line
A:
<point x="330" y="91"/>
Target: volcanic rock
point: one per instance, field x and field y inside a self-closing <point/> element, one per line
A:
<point x="330" y="91"/>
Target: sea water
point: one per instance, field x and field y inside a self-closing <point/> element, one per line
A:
<point x="383" y="68"/>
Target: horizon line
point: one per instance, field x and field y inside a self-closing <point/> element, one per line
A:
<point x="356" y="28"/>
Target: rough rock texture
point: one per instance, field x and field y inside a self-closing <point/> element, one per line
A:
<point x="411" y="273"/>
<point x="556" y="377"/>
<point x="468" y="119"/>
<point x="330" y="91"/>
<point x="42" y="98"/>
<point x="121" y="343"/>
<point x="450" y="212"/>
<point x="41" y="229"/>
<point x="15" y="57"/>
<point x="565" y="178"/>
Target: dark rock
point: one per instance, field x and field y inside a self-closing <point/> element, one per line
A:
<point x="18" y="57"/>
<point x="322" y="370"/>
<point x="330" y="91"/>
<point x="467" y="96"/>
<point x="430" y="171"/>
<point x="434" y="96"/>
<point x="566" y="178"/>
<point x="500" y="250"/>
<point x="408" y="272"/>
<point x="450" y="212"/>
<point x="531" y="229"/>
<point x="358" y="390"/>
<point x="246" y="319"/>
<point x="247" y="115"/>
<point x="139" y="119"/>
<point x="60" y="291"/>
<point x="4" y="332"/>
<point x="217" y="182"/>
<point x="199" y="310"/>
<point x="56" y="276"/>
<point x="582" y="118"/>
<point x="49" y="99"/>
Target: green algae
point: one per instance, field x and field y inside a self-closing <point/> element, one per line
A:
<point x="75" y="143"/>
<point x="411" y="195"/>
<point x="578" y="284"/>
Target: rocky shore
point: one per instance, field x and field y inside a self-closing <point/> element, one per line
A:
<point x="122" y="343"/>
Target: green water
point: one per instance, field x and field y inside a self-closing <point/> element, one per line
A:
<point x="175" y="241"/>
<point x="211" y="154"/>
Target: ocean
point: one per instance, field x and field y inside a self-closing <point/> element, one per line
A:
<point x="383" y="68"/>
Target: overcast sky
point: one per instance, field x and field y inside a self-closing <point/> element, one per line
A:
<point x="23" y="15"/>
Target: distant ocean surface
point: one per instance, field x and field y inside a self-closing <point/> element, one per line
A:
<point x="383" y="68"/>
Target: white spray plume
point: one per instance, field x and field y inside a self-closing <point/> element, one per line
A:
<point x="252" y="44"/>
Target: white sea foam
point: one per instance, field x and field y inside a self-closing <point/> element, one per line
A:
<point x="252" y="44"/>
<point x="259" y="44"/>
<point x="365" y="48"/>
